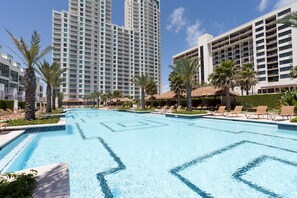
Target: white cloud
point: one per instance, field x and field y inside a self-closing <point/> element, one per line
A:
<point x="193" y="32"/>
<point x="281" y="3"/>
<point x="263" y="5"/>
<point x="177" y="20"/>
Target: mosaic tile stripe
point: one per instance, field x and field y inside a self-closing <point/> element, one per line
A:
<point x="175" y="171"/>
<point x="240" y="132"/>
<point x="101" y="176"/>
<point x="238" y="175"/>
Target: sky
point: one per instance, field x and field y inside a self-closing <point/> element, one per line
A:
<point x="182" y="21"/>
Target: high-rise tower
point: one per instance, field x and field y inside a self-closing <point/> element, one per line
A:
<point x="103" y="57"/>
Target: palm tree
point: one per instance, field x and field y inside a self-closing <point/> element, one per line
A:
<point x="46" y="71"/>
<point x="293" y="72"/>
<point x="186" y="69"/>
<point x="289" y="19"/>
<point x="104" y="98"/>
<point x="247" y="77"/>
<point x="141" y="81"/>
<point x="97" y="96"/>
<point x="152" y="89"/>
<point x="60" y="96"/>
<point x="177" y="85"/>
<point x="30" y="54"/>
<point x="93" y="98"/>
<point x="116" y="95"/>
<point x="56" y="81"/>
<point x="224" y="77"/>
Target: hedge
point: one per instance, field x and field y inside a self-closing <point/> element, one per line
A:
<point x="6" y="104"/>
<point x="22" y="105"/>
<point x="270" y="100"/>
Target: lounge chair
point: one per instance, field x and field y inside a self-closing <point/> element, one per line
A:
<point x="220" y="111"/>
<point x="10" y="111"/>
<point x="170" y="110"/>
<point x="179" y="108"/>
<point x="205" y="107"/>
<point x="199" y="107"/>
<point x="3" y="126"/>
<point x="3" y="112"/>
<point x="286" y="111"/>
<point x="261" y="110"/>
<point x="237" y="110"/>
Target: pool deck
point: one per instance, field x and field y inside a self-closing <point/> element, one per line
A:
<point x="52" y="181"/>
<point x="7" y="137"/>
<point x="11" y="133"/>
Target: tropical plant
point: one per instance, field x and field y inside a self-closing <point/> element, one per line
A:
<point x="141" y="81"/>
<point x="177" y="85"/>
<point x="60" y="96"/>
<point x="290" y="20"/>
<point x="224" y="77"/>
<point x="57" y="81"/>
<point x="46" y="72"/>
<point x="116" y="95"/>
<point x="186" y="69"/>
<point x="30" y="54"/>
<point x="18" y="184"/>
<point x="104" y="98"/>
<point x="293" y="72"/>
<point x="152" y="89"/>
<point x="246" y="78"/>
<point x="289" y="98"/>
<point x="97" y="96"/>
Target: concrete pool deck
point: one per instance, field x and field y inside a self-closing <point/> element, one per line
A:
<point x="11" y="133"/>
<point x="52" y="181"/>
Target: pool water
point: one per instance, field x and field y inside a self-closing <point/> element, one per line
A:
<point x="117" y="154"/>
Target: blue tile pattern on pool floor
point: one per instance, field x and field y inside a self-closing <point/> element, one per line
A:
<point x="118" y="154"/>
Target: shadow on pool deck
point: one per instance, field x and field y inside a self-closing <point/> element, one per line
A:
<point x="52" y="181"/>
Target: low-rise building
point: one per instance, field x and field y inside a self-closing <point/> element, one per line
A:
<point x="11" y="79"/>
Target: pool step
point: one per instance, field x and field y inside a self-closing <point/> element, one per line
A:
<point x="13" y="154"/>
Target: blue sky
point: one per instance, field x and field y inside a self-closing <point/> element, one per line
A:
<point x="182" y="20"/>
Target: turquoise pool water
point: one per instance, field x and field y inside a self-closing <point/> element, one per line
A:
<point x="114" y="154"/>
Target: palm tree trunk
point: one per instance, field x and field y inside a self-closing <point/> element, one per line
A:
<point x="30" y="93"/>
<point x="142" y="98"/>
<point x="228" y="99"/>
<point x="48" y="98"/>
<point x="247" y="88"/>
<point x="54" y="98"/>
<point x="189" y="99"/>
<point x="178" y="98"/>
<point x="152" y="101"/>
<point x="98" y="102"/>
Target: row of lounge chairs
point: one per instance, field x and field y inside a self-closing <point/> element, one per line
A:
<point x="6" y="112"/>
<point x="286" y="112"/>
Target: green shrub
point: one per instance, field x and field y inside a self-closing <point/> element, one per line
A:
<point x="9" y="104"/>
<point x="270" y="100"/>
<point x="289" y="99"/>
<point x="2" y="104"/>
<point x="22" y="105"/>
<point x="22" y="122"/>
<point x="294" y="120"/>
<point x="15" y="185"/>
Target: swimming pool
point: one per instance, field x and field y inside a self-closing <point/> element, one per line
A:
<point x="117" y="154"/>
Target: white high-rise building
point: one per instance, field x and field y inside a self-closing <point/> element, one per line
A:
<point x="103" y="57"/>
<point x="271" y="47"/>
